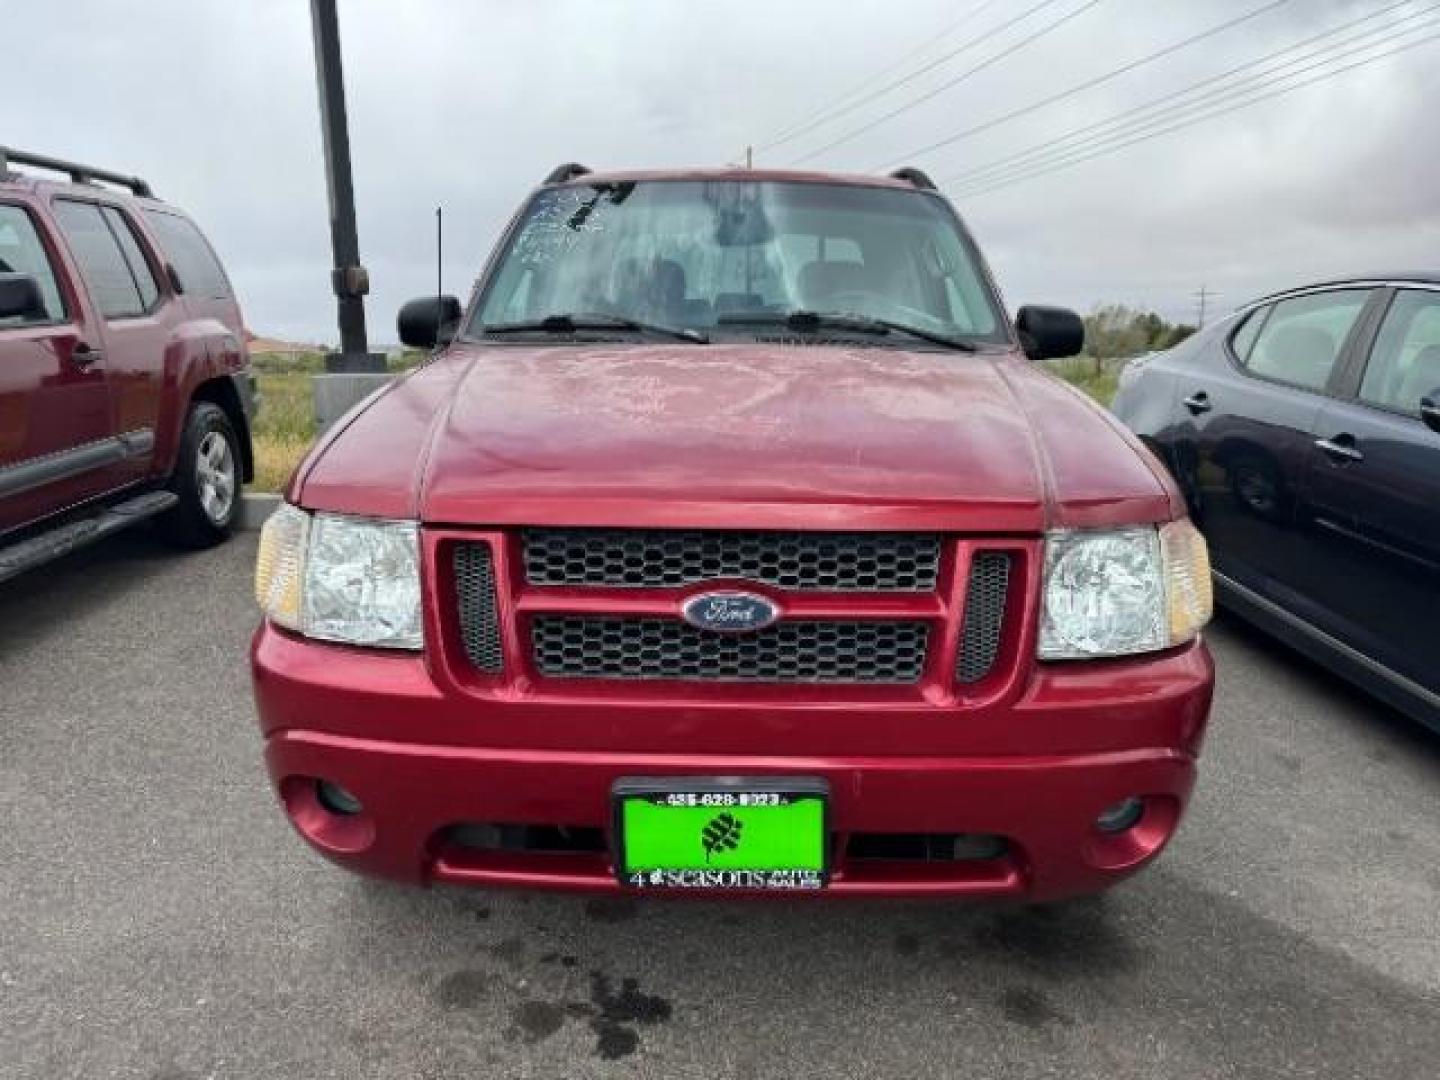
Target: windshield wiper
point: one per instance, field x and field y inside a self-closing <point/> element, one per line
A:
<point x="861" y="324"/>
<point x="569" y="324"/>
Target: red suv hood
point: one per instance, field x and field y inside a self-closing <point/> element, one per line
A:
<point x="736" y="435"/>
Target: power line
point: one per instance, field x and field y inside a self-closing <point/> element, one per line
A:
<point x="1053" y="146"/>
<point x="982" y="190"/>
<point x="1055" y="153"/>
<point x="1056" y="147"/>
<point x="945" y="58"/>
<point x="1089" y="84"/>
<point x="839" y="106"/>
<point x="1048" y="28"/>
<point x="987" y="187"/>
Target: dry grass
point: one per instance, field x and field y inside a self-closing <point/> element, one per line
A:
<point x="285" y="427"/>
<point x="1080" y="371"/>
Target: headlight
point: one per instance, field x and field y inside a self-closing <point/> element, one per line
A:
<point x="349" y="579"/>
<point x="1123" y="592"/>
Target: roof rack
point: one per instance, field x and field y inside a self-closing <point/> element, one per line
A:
<point x="569" y="171"/>
<point x="914" y="176"/>
<point x="79" y="174"/>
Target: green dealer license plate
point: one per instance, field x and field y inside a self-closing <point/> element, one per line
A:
<point x="721" y="832"/>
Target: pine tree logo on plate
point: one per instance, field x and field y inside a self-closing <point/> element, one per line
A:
<point x="721" y="834"/>
<point x="730" y="612"/>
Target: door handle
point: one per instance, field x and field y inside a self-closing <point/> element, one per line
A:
<point x="1430" y="413"/>
<point x="1198" y="402"/>
<point x="82" y="356"/>
<point x="1341" y="448"/>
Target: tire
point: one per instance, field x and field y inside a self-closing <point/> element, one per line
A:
<point x="206" y="480"/>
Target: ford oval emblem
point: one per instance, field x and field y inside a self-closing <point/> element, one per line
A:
<point x="730" y="612"/>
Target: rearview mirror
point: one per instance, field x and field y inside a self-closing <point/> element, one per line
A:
<point x="21" y="298"/>
<point x="429" y="321"/>
<point x="1048" y="333"/>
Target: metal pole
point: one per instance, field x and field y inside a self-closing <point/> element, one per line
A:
<point x="1202" y="296"/>
<point x="349" y="279"/>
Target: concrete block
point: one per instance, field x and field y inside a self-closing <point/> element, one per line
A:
<point x="335" y="395"/>
<point x="255" y="508"/>
<point x="355" y="363"/>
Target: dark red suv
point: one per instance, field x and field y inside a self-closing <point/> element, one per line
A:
<point x="124" y="385"/>
<point x="734" y="539"/>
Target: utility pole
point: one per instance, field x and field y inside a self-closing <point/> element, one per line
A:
<point x="348" y="278"/>
<point x="1203" y="296"/>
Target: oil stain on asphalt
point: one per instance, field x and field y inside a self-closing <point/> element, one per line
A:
<point x="1031" y="1008"/>
<point x="463" y="989"/>
<point x="535" y="1021"/>
<point x="1074" y="940"/>
<point x="614" y="1015"/>
<point x="617" y="1013"/>
<point x="611" y="910"/>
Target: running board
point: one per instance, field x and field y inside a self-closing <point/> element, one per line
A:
<point x="73" y="535"/>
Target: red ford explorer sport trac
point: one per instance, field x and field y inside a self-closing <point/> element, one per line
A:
<point x="734" y="539"/>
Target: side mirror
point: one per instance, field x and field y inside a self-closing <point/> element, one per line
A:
<point x="1430" y="410"/>
<point x="21" y="298"/>
<point x="429" y="321"/>
<point x="1048" y="333"/>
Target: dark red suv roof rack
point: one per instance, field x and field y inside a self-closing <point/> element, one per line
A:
<point x="563" y="173"/>
<point x="914" y="176"/>
<point x="79" y="174"/>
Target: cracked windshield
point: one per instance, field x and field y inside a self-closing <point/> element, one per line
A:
<point x="732" y="256"/>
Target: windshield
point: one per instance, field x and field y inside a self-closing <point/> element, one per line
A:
<point x="707" y="254"/>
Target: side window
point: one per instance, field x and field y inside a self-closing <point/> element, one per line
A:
<point x="201" y="274"/>
<point x="1405" y="362"/>
<point x="102" y="261"/>
<point x="21" y="252"/>
<point x="1301" y="340"/>
<point x="134" y="256"/>
<point x="1244" y="338"/>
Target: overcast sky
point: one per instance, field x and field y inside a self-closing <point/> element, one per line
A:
<point x="468" y="103"/>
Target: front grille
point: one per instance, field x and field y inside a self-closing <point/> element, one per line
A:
<point x="984" y="616"/>
<point x="660" y="559"/>
<point x="479" y="619"/>
<point x="604" y="647"/>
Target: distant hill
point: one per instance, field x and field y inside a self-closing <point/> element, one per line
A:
<point x="260" y="344"/>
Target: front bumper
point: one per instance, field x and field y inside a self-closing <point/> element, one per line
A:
<point x="1035" y="769"/>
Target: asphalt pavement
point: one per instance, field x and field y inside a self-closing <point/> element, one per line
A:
<point x="159" y="920"/>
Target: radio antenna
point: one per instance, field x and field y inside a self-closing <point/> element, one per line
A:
<point x="439" y="265"/>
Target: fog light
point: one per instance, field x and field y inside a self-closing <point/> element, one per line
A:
<point x="1125" y="814"/>
<point x="336" y="799"/>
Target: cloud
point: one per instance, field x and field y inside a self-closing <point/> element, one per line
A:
<point x="469" y="104"/>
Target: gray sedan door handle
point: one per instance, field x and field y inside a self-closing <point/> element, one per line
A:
<point x="1198" y="402"/>
<point x="1341" y="448"/>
